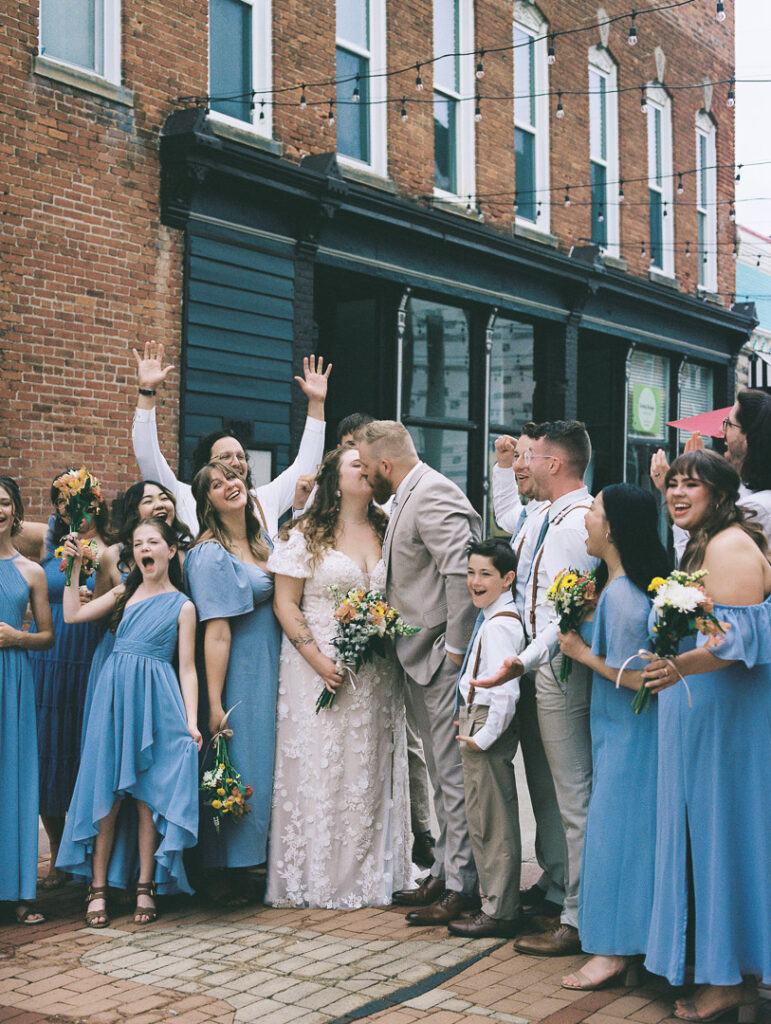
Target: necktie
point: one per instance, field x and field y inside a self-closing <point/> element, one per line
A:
<point x="539" y="544"/>
<point x="520" y="524"/>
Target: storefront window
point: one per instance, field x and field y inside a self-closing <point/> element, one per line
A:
<point x="647" y="413"/>
<point x="695" y="395"/>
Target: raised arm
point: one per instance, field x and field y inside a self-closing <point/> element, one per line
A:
<point x="150" y="374"/>
<point x="506" y="501"/>
<point x="286" y="604"/>
<point x="73" y="610"/>
<point x="188" y="678"/>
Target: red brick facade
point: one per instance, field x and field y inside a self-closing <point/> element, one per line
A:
<point x="89" y="270"/>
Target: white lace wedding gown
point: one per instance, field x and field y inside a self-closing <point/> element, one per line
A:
<point x="340" y="825"/>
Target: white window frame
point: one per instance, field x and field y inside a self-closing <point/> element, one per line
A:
<point x="378" y="92"/>
<point x="658" y="99"/>
<point x="262" y="72"/>
<point x="528" y="19"/>
<point x="601" y="63"/>
<point x="465" y="163"/>
<point x="707" y="130"/>
<point x="110" y="45"/>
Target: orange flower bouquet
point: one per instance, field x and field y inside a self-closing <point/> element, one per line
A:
<point x="80" y="490"/>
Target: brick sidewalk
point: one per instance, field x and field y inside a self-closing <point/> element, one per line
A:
<point x="204" y="965"/>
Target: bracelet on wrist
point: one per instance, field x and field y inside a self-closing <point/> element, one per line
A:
<point x="147" y="392"/>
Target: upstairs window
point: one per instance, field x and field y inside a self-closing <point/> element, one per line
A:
<point x="660" y="180"/>
<point x="603" y="150"/>
<point x="453" y="78"/>
<point x="360" y="56"/>
<point x="84" y="34"/>
<point x="240" y="62"/>
<point x="706" y="195"/>
<point x="531" y="115"/>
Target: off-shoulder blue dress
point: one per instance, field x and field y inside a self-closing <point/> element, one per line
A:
<point x="61" y="677"/>
<point x="222" y="587"/>
<point x="137" y="744"/>
<point x="715" y="790"/>
<point x="18" y="743"/>
<point x="614" y="908"/>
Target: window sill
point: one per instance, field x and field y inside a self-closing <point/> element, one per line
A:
<point x="614" y="262"/>
<point x="446" y="202"/>
<point x="365" y="176"/>
<point x="709" y="296"/>
<point x="534" y="234"/>
<point x="81" y="79"/>
<point x="243" y="133"/>
<point x="659" y="277"/>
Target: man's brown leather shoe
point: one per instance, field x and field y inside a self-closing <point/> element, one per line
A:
<point x="448" y="908"/>
<point x="482" y="926"/>
<point x="423" y="845"/>
<point x="560" y="941"/>
<point x="428" y="891"/>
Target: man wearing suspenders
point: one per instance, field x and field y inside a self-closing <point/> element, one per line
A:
<point x="512" y="481"/>
<point x="558" y="460"/>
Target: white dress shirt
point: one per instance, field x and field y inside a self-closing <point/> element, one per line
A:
<point x="275" y="498"/>
<point x="499" y="639"/>
<point x="507" y="504"/>
<point x="758" y="502"/>
<point x="507" y="509"/>
<point x="563" y="547"/>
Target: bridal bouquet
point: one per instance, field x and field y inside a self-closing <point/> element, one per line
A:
<point x="573" y="594"/>
<point x="364" y="621"/>
<point x="90" y="554"/>
<point x="222" y="789"/>
<point x="80" y="491"/>
<point x="682" y="609"/>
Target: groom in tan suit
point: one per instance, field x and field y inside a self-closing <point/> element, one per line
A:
<point x="432" y="524"/>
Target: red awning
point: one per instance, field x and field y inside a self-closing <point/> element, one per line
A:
<point x="708" y="423"/>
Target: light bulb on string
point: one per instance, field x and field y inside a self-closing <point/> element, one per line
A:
<point x="552" y="56"/>
<point x="757" y="262"/>
<point x="262" y="110"/>
<point x="730" y="100"/>
<point x="735" y="252"/>
<point x="403" y="111"/>
<point x="477" y="110"/>
<point x="480" y="69"/>
<point x="720" y="11"/>
<point x="331" y="114"/>
<point x="418" y="79"/>
<point x="538" y="209"/>
<point x="252" y="104"/>
<point x="680" y="186"/>
<point x="303" y="98"/>
<point x="738" y="176"/>
<point x="643" y="100"/>
<point x="567" y="195"/>
<point x="356" y="93"/>
<point x="632" y="38"/>
<point x="664" y="209"/>
<point x="621" y="191"/>
<point x="600" y="214"/>
<point x="687" y="249"/>
<point x="560" y="109"/>
<point x="469" y="207"/>
<point x="480" y="214"/>
<point x="731" y="213"/>
<point x="642" y="248"/>
<point x="516" y="201"/>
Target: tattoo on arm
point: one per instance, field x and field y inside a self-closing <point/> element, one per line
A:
<point x="303" y="637"/>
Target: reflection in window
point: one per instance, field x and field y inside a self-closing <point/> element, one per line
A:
<point x="443" y="450"/>
<point x="647" y="413"/>
<point x="353" y="67"/>
<point x="511" y="376"/>
<point x="436" y="361"/>
<point x="230" y="57"/>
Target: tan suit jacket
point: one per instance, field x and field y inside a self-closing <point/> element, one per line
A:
<point x="426" y="561"/>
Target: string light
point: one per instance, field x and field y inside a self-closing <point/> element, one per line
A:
<point x="418" y="79"/>
<point x="731" y="212"/>
<point x="469" y="207"/>
<point x="632" y="38"/>
<point x="477" y="110"/>
<point x="560" y="109"/>
<point x="664" y="209"/>
<point x="331" y="114"/>
<point x="687" y="249"/>
<point x="642" y="248"/>
<point x="735" y="252"/>
<point x="552" y="56"/>
<point x="680" y="186"/>
<point x="643" y="100"/>
<point x="538" y="209"/>
<point x="730" y="98"/>
<point x="480" y="71"/>
<point x="480" y="214"/>
<point x="621" y="191"/>
<point x="567" y="195"/>
<point x="303" y="99"/>
<point x="355" y="96"/>
<point x="262" y="110"/>
<point x="600" y="214"/>
<point x="516" y="201"/>
<point x="403" y="111"/>
<point x="720" y="11"/>
<point x="739" y="172"/>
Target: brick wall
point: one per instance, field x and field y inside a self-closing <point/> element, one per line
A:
<point x="89" y="270"/>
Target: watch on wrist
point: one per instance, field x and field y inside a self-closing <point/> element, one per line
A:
<point x="147" y="392"/>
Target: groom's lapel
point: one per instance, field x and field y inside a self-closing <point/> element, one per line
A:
<point x="397" y="515"/>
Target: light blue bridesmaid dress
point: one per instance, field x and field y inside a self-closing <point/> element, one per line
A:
<point x="137" y="744"/>
<point x="614" y="908"/>
<point x="18" y="743"/>
<point x="223" y="587"/>
<point x="715" y="790"/>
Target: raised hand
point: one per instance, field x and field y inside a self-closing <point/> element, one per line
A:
<point x="694" y="442"/>
<point x="512" y="668"/>
<point x="659" y="467"/>
<point x="150" y="369"/>
<point x="314" y="384"/>
<point x="302" y="490"/>
<point x="504" y="450"/>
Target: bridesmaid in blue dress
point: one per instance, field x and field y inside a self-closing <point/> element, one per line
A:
<point x="226" y="575"/>
<point x="616" y="895"/>
<point x="61" y="677"/>
<point x="21" y="581"/>
<point x="141" y="737"/>
<point x="714" y="817"/>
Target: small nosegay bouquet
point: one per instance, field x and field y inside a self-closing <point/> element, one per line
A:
<point x="222" y="789"/>
<point x="90" y="555"/>
<point x="573" y="594"/>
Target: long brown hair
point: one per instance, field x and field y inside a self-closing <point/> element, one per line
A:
<point x="722" y="480"/>
<point x="134" y="578"/>
<point x="210" y="522"/>
<point x="319" y="523"/>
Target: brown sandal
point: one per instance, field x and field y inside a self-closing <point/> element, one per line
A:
<point x="151" y="913"/>
<point x="93" y="915"/>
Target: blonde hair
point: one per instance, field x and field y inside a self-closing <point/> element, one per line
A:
<point x="210" y="522"/>
<point x="388" y="439"/>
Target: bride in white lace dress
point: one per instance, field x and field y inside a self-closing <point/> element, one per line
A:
<point x="340" y="825"/>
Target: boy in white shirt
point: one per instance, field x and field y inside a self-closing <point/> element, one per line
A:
<point x="488" y="741"/>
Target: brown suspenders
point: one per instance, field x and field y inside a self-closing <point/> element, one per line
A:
<point x="536" y="565"/>
<point x="498" y="615"/>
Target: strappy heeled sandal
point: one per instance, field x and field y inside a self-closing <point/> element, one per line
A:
<point x="92" y="916"/>
<point x="149" y="913"/>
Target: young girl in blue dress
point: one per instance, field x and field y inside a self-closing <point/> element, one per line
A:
<point x="714" y="812"/>
<point x="21" y="582"/>
<point x="141" y="736"/>
<point x="614" y="909"/>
